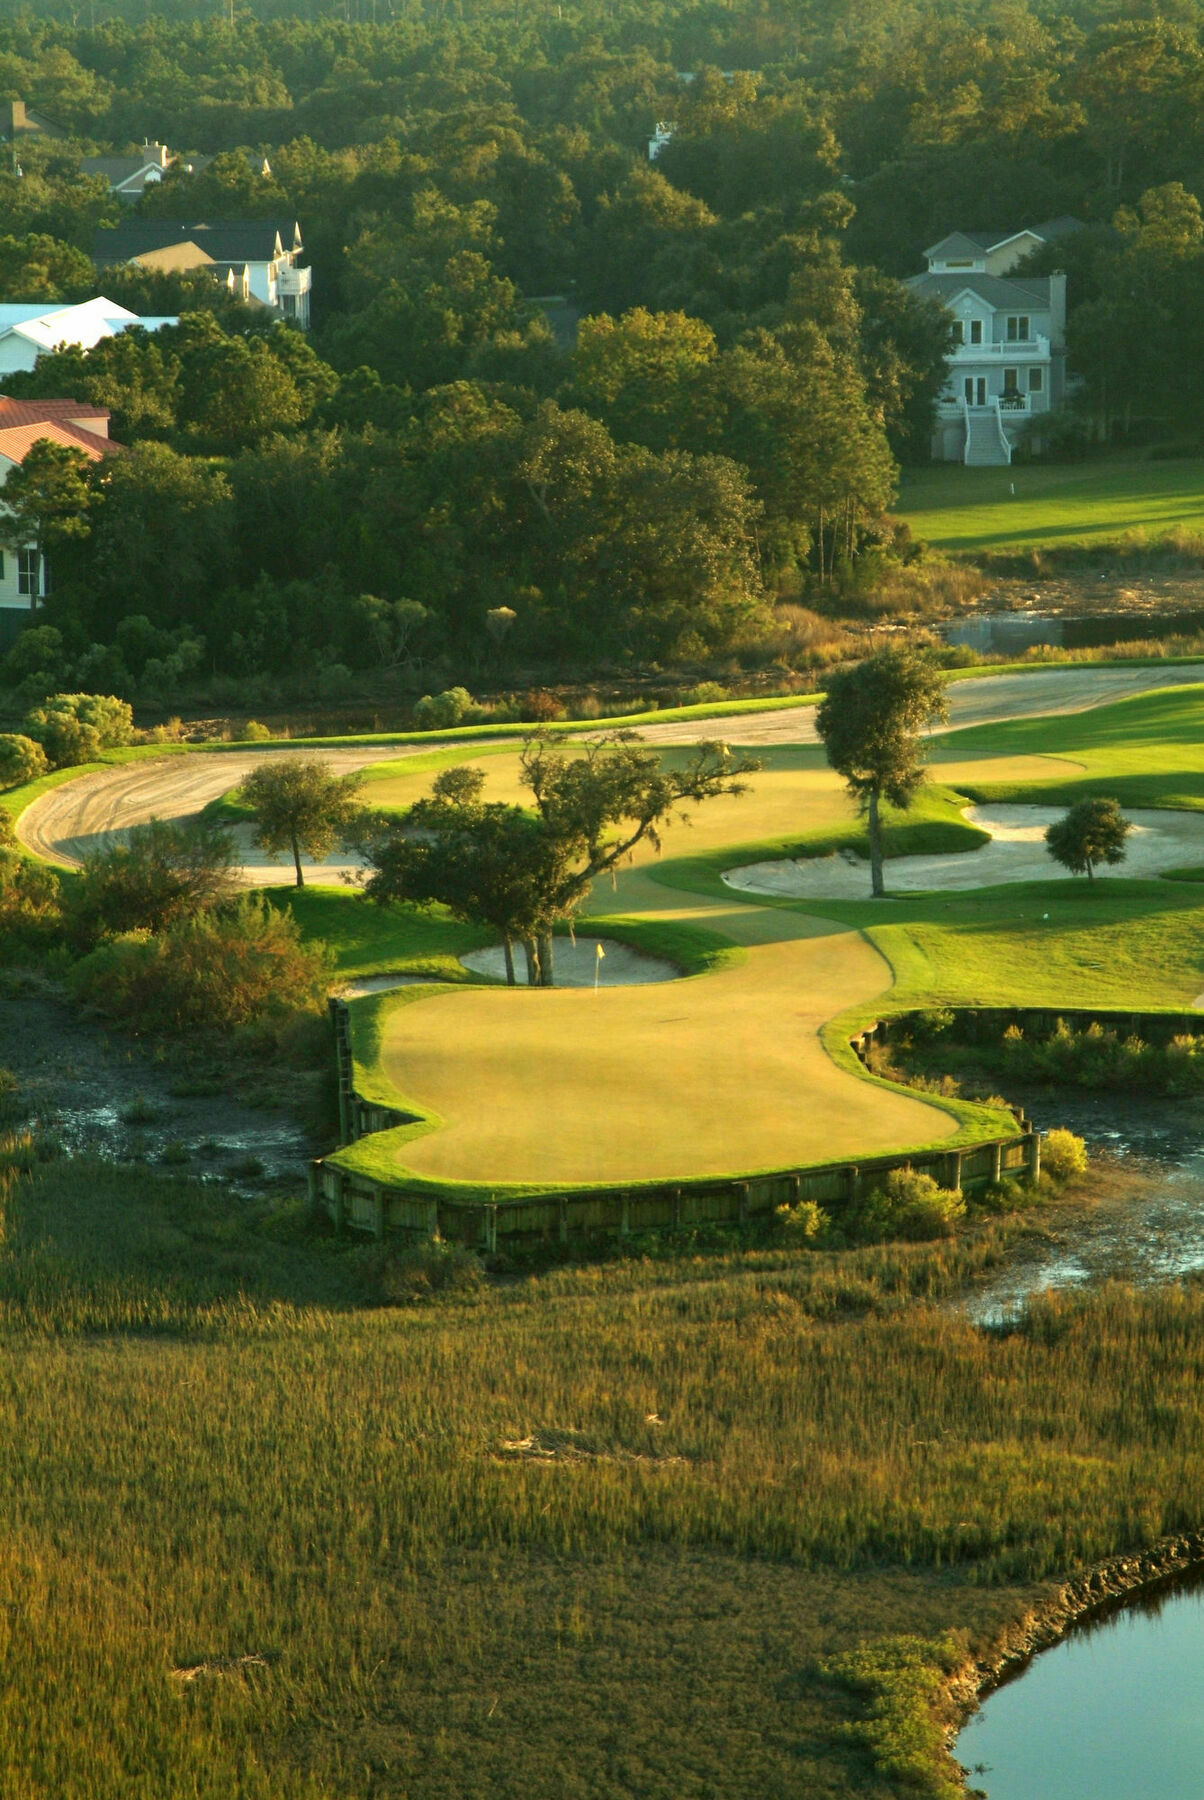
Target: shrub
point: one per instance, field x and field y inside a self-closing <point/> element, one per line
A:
<point x="244" y="965"/>
<point x="438" y="712"/>
<point x="31" y="910"/>
<point x="1063" y="1155"/>
<point x="933" y="1023"/>
<point x="163" y="873"/>
<point x="255" y="733"/>
<point x="539" y="707"/>
<point x="910" y="1205"/>
<point x="21" y="759"/>
<point x="74" y="728"/>
<point x="803" y="1224"/>
<point x="707" y="693"/>
<point x="902" y="1681"/>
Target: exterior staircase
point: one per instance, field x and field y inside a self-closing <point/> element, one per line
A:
<point x="987" y="446"/>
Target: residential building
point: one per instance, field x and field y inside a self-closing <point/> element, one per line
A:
<point x="23" y="573"/>
<point x="29" y="329"/>
<point x="261" y="255"/>
<point x="1008" y="362"/>
<point x="130" y="176"/>
<point x="18" y="120"/>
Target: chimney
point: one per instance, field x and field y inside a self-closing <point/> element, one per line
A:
<point x="1057" y="309"/>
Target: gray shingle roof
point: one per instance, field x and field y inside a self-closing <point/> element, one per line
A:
<point x="996" y="290"/>
<point x="237" y="241"/>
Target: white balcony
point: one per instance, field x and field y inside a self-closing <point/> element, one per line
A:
<point x="293" y="281"/>
<point x="1034" y="349"/>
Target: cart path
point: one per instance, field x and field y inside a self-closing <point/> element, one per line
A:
<point x="64" y="823"/>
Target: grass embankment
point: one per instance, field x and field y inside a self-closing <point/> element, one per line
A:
<point x="595" y="1533"/>
<point x="1053" y="506"/>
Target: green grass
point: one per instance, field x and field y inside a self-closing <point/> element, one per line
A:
<point x="376" y="940"/>
<point x="746" y="1478"/>
<point x="1054" y="506"/>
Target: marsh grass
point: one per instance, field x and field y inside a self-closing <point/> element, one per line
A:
<point x="209" y="1453"/>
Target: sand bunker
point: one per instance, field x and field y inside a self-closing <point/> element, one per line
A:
<point x="1159" y="840"/>
<point x="576" y="964"/>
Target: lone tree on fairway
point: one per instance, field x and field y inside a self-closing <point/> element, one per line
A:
<point x="300" y="806"/>
<point x="1093" y="831"/>
<point x="870" y="721"/>
<point x="521" y="871"/>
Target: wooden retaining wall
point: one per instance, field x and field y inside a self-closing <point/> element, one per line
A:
<point x="362" y="1204"/>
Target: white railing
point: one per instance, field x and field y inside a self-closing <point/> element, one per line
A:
<point x="1030" y="347"/>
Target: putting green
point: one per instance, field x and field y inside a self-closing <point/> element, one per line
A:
<point x="716" y="1075"/>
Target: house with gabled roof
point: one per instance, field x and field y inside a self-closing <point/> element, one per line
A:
<point x="1008" y="362"/>
<point x="29" y="329"/>
<point x="23" y="423"/>
<point x="258" y="258"/>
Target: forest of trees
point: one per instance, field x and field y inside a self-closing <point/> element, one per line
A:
<point x="712" y="415"/>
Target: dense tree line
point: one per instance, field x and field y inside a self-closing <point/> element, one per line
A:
<point x="712" y="416"/>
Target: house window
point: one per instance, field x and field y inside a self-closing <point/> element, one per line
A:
<point x="1018" y="328"/>
<point x="967" y="264"/>
<point x="27" y="573"/>
<point x="1011" y="384"/>
<point x="976" y="331"/>
<point x="1036" y="380"/>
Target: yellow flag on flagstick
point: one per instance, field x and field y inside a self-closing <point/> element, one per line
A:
<point x="599" y="951"/>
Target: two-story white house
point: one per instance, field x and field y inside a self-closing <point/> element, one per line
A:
<point x="264" y="256"/>
<point x="1008" y="363"/>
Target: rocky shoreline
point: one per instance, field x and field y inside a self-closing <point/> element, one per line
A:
<point x="1115" y="1579"/>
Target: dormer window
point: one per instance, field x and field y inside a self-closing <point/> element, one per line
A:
<point x="975" y="331"/>
<point x="1017" y="328"/>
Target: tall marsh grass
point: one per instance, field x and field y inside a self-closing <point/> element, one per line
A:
<point x="491" y="1536"/>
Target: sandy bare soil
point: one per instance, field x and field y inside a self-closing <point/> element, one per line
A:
<point x="1159" y="840"/>
<point x="81" y="815"/>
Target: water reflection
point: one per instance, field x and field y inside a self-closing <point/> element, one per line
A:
<point x="1115" y="1711"/>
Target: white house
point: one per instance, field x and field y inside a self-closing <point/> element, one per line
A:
<point x="22" y="423"/>
<point x="1008" y="363"/>
<point x="263" y="255"/>
<point x="28" y="330"/>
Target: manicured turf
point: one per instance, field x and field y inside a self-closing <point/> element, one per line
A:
<point x="751" y="1068"/>
<point x="1054" y="505"/>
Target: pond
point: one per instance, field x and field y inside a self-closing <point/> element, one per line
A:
<point x="1114" y="1711"/>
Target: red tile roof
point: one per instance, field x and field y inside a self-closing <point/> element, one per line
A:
<point x="29" y="412"/>
<point x="16" y="441"/>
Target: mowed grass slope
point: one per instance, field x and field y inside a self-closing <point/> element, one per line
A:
<point x="1053" y="506"/>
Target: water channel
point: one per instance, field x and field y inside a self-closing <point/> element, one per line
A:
<point x="1115" y="1710"/>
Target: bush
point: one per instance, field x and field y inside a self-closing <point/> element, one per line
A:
<point x="241" y="966"/>
<point x="803" y="1224"/>
<point x="31" y="910"/>
<point x="909" y="1205"/>
<point x="74" y="728"/>
<point x="255" y="733"/>
<point x="539" y="707"/>
<point x="163" y="873"/>
<point x="439" y="712"/>
<point x="21" y="760"/>
<point x="1063" y="1155"/>
<point x="707" y="693"/>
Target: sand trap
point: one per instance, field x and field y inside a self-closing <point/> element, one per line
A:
<point x="576" y="964"/>
<point x="1160" y="840"/>
<point x="378" y="984"/>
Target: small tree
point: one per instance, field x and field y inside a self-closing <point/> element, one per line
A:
<point x="870" y="721"/>
<point x="486" y="863"/>
<point x="299" y="805"/>
<point x="1093" y="831"/>
<point x="46" y="499"/>
<point x="74" y="728"/>
<point x="162" y="874"/>
<point x="521" y="872"/>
